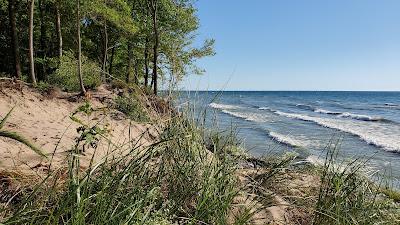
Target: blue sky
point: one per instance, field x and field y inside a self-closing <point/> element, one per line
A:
<point x="300" y="45"/>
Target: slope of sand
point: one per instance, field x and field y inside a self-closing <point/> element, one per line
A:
<point x="46" y="122"/>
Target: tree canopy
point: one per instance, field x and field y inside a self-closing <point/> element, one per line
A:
<point x="135" y="41"/>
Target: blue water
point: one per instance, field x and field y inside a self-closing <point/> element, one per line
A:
<point x="367" y="124"/>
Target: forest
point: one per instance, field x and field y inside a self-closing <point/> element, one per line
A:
<point x="77" y="45"/>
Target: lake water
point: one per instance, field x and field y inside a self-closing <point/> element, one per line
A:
<point x="366" y="123"/>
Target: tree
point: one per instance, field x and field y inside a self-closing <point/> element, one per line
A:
<point x="42" y="55"/>
<point x="153" y="6"/>
<point x="31" y="53"/>
<point x="58" y="28"/>
<point x="129" y="67"/>
<point x="146" y="63"/>
<point x="146" y="42"/>
<point x="14" y="38"/>
<point x="78" y="34"/>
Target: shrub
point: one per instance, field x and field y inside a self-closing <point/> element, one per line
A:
<point x="132" y="107"/>
<point x="66" y="76"/>
<point x="43" y="87"/>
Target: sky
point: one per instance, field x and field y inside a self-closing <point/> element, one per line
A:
<point x="300" y="45"/>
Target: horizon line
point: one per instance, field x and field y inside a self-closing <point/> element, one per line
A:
<point x="294" y="90"/>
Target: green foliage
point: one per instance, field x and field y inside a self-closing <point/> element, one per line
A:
<point x="116" y="12"/>
<point x="108" y="27"/>
<point x="66" y="76"/>
<point x="132" y="107"/>
<point x="43" y="87"/>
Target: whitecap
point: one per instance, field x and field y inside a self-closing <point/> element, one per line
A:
<point x="267" y="109"/>
<point x="361" y="117"/>
<point x="284" y="139"/>
<point x="380" y="135"/>
<point x="223" y="106"/>
<point x="324" y="111"/>
<point x="353" y="116"/>
<point x="304" y="106"/>
<point x="248" y="116"/>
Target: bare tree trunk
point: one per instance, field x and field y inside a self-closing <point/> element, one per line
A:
<point x="78" y="26"/>
<point x="129" y="67"/>
<point x="31" y="57"/>
<point x="111" y="62"/>
<point x="42" y="72"/>
<point x="14" y="39"/>
<point x="59" y="32"/>
<point x="155" y="47"/>
<point x="146" y="63"/>
<point x="136" y="72"/>
<point x="105" y="47"/>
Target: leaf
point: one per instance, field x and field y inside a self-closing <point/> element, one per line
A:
<point x="3" y="121"/>
<point x="19" y="138"/>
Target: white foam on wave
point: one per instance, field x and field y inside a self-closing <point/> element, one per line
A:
<point x="284" y="139"/>
<point x="223" y="106"/>
<point x="305" y="106"/>
<point x="267" y="109"/>
<point x="323" y="111"/>
<point x="315" y="160"/>
<point x="352" y="115"/>
<point x="380" y="135"/>
<point x="361" y="117"/>
<point x="248" y="116"/>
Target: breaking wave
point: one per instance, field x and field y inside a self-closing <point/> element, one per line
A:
<point x="304" y="106"/>
<point x="247" y="116"/>
<point x="323" y="111"/>
<point x="363" y="117"/>
<point x="353" y="116"/>
<point x="223" y="106"/>
<point x="267" y="109"/>
<point x="284" y="139"/>
<point x="375" y="134"/>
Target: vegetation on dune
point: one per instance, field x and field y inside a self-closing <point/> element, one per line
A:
<point x="348" y="196"/>
<point x="174" y="180"/>
<point x="131" y="105"/>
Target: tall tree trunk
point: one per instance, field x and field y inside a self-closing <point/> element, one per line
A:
<point x="155" y="47"/>
<point x="31" y="57"/>
<point x="136" y="72"/>
<point x="58" y="28"/>
<point x="14" y="38"/>
<point x="105" y="48"/>
<point x="111" y="62"/>
<point x="129" y="67"/>
<point x="78" y="28"/>
<point x="146" y="63"/>
<point x="42" y="73"/>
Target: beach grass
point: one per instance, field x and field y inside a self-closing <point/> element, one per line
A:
<point x="174" y="180"/>
<point x="347" y="195"/>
